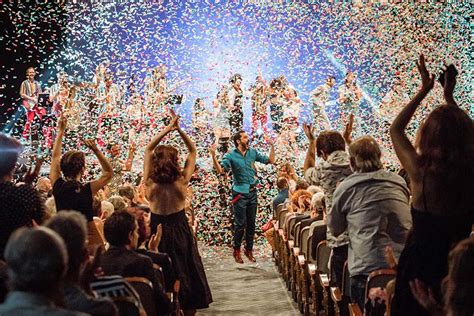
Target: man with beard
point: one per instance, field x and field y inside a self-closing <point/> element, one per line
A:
<point x="241" y="160"/>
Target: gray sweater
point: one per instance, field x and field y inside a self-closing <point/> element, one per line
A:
<point x="374" y="208"/>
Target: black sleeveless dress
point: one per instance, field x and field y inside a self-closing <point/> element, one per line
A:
<point x="180" y="244"/>
<point x="425" y="256"/>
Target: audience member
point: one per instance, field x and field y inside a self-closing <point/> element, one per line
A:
<point x="372" y="205"/>
<point x="121" y="232"/>
<point x="20" y="205"/>
<point x="37" y="263"/>
<point x="69" y="192"/>
<point x="282" y="185"/>
<point x="118" y="203"/>
<point x="330" y="146"/>
<point x="78" y="296"/>
<point x="441" y="171"/>
<point x="44" y="187"/>
<point x="128" y="193"/>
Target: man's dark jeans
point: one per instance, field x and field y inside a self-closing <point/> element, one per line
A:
<point x="245" y="212"/>
<point x="358" y="283"/>
<point x="339" y="256"/>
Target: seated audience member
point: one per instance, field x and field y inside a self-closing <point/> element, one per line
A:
<point x="318" y="229"/>
<point x="50" y="206"/>
<point x="19" y="205"/>
<point x="457" y="285"/>
<point x="127" y="192"/>
<point x="282" y="185"/>
<point x="372" y="205"/>
<point x="37" y="262"/>
<point x="299" y="206"/>
<point x="118" y="203"/>
<point x="330" y="146"/>
<point x="148" y="246"/>
<point x="441" y="171"/>
<point x="69" y="192"/>
<point x="44" y="187"/>
<point x="78" y="296"/>
<point x="121" y="232"/>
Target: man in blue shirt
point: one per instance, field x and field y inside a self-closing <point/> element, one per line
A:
<point x="282" y="185"/>
<point x="241" y="160"/>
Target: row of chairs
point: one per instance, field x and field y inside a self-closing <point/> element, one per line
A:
<point x="306" y="271"/>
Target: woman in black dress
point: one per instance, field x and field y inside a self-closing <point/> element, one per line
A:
<point x="441" y="172"/>
<point x="166" y="184"/>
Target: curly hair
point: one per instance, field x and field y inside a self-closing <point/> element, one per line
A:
<point x="72" y="163"/>
<point x="329" y="142"/>
<point x="165" y="167"/>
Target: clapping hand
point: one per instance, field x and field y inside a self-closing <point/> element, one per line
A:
<point x="427" y="80"/>
<point x="31" y="175"/>
<point x="90" y="143"/>
<point x="155" y="239"/>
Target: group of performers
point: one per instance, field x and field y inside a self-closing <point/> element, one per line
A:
<point x="115" y="112"/>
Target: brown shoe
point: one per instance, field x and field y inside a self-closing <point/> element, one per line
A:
<point x="237" y="256"/>
<point x="249" y="255"/>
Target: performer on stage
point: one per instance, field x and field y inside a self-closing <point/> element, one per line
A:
<point x="201" y="123"/>
<point x="276" y="91"/>
<point x="349" y="98"/>
<point x="29" y="92"/>
<point x="259" y="105"/>
<point x="319" y="97"/>
<point x="241" y="161"/>
<point x="222" y="115"/>
<point x="236" y="103"/>
<point x="59" y="94"/>
<point x="118" y="165"/>
<point x="136" y="113"/>
<point x="109" y="127"/>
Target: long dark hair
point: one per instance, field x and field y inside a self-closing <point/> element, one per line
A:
<point x="165" y="167"/>
<point x="445" y="143"/>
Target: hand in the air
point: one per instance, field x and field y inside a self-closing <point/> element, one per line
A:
<point x="90" y="143"/>
<point x="308" y="131"/>
<point x="427" y="80"/>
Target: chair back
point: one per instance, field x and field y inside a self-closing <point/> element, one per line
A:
<point x="291" y="225"/>
<point x="304" y="234"/>
<point x="317" y="235"/>
<point x="278" y="209"/>
<point x="144" y="288"/>
<point x="127" y="306"/>
<point x="281" y="217"/>
<point x="296" y="234"/>
<point x="379" y="278"/>
<point x="322" y="257"/>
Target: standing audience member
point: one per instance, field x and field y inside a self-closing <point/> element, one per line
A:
<point x="37" y="263"/>
<point x="329" y="146"/>
<point x="78" y="296"/>
<point x="441" y="171"/>
<point x="166" y="188"/>
<point x="69" y="192"/>
<point x="372" y="205"/>
<point x="19" y="205"/>
<point x="121" y="232"/>
<point x="44" y="187"/>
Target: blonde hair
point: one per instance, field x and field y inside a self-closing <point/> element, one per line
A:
<point x="365" y="154"/>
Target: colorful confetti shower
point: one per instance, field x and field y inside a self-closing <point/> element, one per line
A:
<point x="205" y="42"/>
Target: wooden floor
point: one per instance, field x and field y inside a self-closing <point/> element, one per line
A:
<point x="245" y="289"/>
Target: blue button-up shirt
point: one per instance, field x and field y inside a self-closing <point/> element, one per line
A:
<point x="243" y="168"/>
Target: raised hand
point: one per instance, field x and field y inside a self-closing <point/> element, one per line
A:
<point x="427" y="80"/>
<point x="308" y="131"/>
<point x="347" y="134"/>
<point x="62" y="123"/>
<point x="212" y="149"/>
<point x="90" y="143"/>
<point x="31" y="175"/>
<point x="448" y="80"/>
